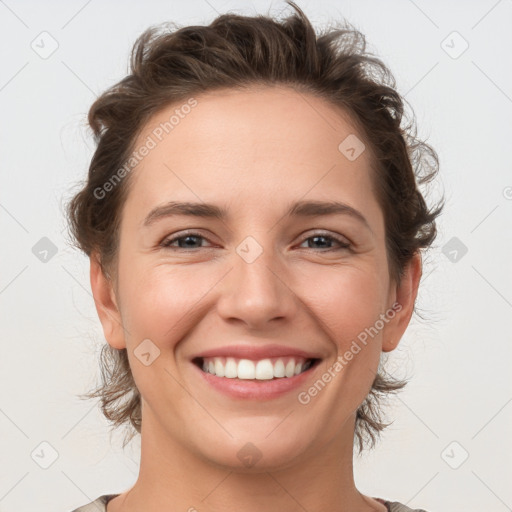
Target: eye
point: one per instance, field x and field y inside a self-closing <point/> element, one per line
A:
<point x="189" y="239"/>
<point x="322" y="238"/>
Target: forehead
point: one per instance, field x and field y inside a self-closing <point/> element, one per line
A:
<point x="245" y="122"/>
<point x="262" y="144"/>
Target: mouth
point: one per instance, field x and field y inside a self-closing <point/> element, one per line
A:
<point x="268" y="369"/>
<point x="255" y="372"/>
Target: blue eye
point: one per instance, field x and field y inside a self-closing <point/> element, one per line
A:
<point x="342" y="244"/>
<point x="187" y="242"/>
<point x="187" y="238"/>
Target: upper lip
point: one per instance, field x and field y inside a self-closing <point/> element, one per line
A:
<point x="257" y="352"/>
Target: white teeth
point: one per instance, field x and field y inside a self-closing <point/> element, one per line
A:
<point x="246" y="369"/>
<point x="290" y="368"/>
<point x="279" y="369"/>
<point x="230" y="371"/>
<point x="264" y="370"/>
<point x="219" y="368"/>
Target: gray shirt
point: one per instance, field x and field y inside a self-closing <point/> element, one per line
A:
<point x="100" y="505"/>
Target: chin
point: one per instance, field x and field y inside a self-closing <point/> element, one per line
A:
<point x="254" y="450"/>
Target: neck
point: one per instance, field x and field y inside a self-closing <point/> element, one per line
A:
<point x="173" y="478"/>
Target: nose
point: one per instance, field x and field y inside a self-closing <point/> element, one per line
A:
<point x="257" y="293"/>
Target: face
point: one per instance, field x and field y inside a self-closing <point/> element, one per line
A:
<point x="254" y="276"/>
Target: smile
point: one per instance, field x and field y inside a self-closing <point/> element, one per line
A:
<point x="247" y="369"/>
<point x="255" y="379"/>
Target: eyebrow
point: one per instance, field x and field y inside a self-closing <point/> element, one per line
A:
<point x="208" y="210"/>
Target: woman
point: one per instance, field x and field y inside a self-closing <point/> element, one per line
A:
<point x="254" y="227"/>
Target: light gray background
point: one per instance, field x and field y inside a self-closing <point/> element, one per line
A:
<point x="458" y="358"/>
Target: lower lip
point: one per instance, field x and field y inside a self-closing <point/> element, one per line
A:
<point x="256" y="389"/>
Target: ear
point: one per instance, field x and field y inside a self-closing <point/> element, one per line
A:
<point x="106" y="304"/>
<point x="404" y="296"/>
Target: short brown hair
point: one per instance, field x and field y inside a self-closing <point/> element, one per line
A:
<point x="170" y="64"/>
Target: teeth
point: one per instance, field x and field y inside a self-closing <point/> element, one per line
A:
<point x="246" y="369"/>
<point x="219" y="368"/>
<point x="279" y="370"/>
<point x="290" y="368"/>
<point x="264" y="369"/>
<point x="231" y="369"/>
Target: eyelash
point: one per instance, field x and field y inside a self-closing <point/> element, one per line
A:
<point x="166" y="243"/>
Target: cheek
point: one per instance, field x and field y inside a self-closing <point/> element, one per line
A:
<point x="345" y="301"/>
<point x="160" y="302"/>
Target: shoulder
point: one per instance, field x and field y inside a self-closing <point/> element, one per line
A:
<point x="98" y="505"/>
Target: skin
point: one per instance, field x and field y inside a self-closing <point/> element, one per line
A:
<point x="252" y="152"/>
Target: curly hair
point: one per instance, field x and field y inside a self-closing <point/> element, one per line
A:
<point x="170" y="64"/>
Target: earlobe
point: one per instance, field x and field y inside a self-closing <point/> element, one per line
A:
<point x="406" y="294"/>
<point x="106" y="304"/>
